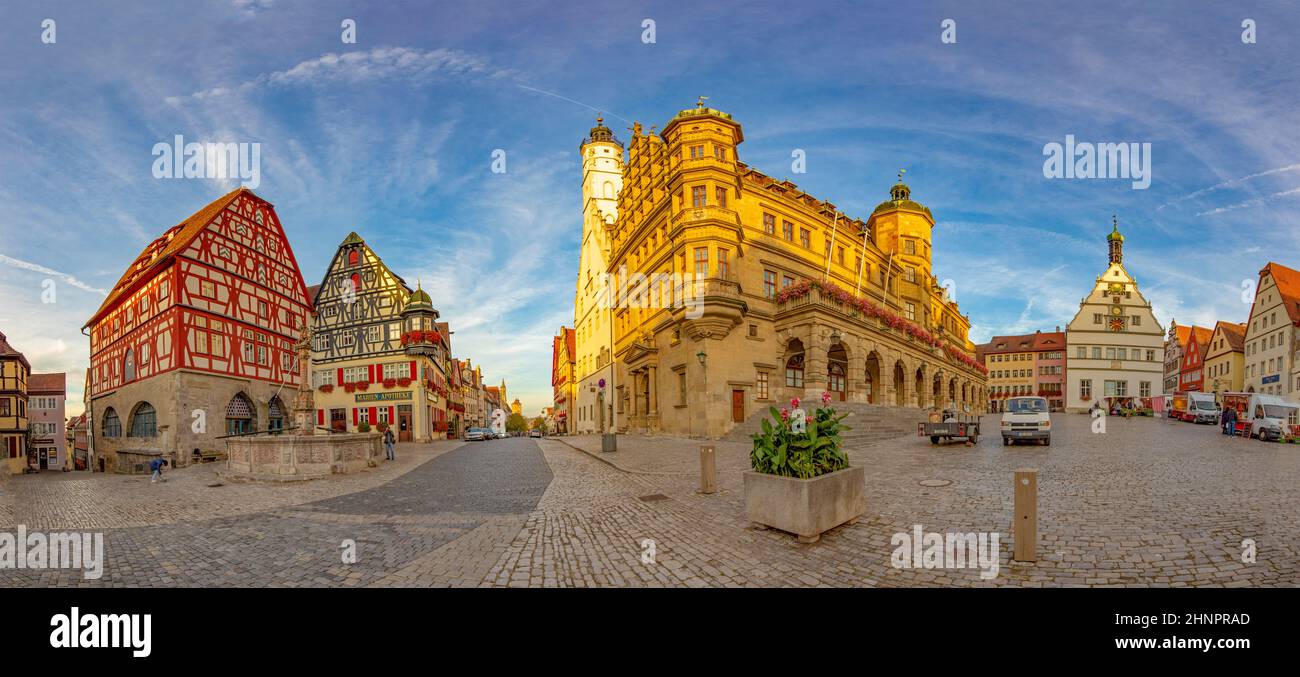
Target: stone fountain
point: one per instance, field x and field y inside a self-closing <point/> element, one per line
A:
<point x="299" y="453"/>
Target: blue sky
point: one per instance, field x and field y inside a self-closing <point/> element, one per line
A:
<point x="393" y="136"/>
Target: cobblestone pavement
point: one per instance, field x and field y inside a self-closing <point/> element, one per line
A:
<point x="1148" y="503"/>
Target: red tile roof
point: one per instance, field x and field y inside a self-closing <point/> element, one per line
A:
<point x="158" y="253"/>
<point x="1288" y="285"/>
<point x="1036" y="342"/>
<point x="1203" y="336"/>
<point x="47" y="384"/>
<point x="1235" y="334"/>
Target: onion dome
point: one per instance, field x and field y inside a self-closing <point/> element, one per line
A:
<point x="1115" y="235"/>
<point x="900" y="197"/>
<point x="418" y="300"/>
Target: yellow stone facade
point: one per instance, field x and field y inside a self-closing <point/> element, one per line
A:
<point x="735" y="291"/>
<point x="1225" y="361"/>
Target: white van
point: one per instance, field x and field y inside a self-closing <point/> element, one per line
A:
<point x="1026" y="418"/>
<point x="1269" y="416"/>
<point x="1201" y="408"/>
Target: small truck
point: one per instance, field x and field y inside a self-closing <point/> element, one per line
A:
<point x="949" y="425"/>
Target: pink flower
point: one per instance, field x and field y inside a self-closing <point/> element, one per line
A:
<point x="785" y="414"/>
<point x="794" y="403"/>
<point x="826" y="398"/>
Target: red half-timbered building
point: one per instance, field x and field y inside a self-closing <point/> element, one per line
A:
<point x="196" y="340"/>
<point x="1191" y="373"/>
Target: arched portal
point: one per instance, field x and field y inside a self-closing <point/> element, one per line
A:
<point x="837" y="366"/>
<point x="900" y="384"/>
<point x="871" y="377"/>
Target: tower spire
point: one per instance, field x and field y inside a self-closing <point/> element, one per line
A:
<point x="1116" y="241"/>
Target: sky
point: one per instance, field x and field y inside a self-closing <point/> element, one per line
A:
<point x="394" y="136"/>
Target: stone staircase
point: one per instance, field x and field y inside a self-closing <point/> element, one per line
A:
<point x="870" y="423"/>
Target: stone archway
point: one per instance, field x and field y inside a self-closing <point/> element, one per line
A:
<point x="793" y="368"/>
<point x="871" y="377"/>
<point x="918" y="390"/>
<point x="900" y="384"/>
<point x="936" y="390"/>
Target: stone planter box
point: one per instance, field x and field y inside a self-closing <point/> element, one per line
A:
<point x="806" y="508"/>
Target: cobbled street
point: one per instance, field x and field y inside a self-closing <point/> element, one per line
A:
<point x="1148" y="503"/>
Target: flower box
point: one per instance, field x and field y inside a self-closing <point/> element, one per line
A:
<point x="327" y="388"/>
<point x="806" y="507"/>
<point x="362" y="385"/>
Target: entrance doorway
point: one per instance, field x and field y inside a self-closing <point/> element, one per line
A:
<point x="339" y="420"/>
<point x="738" y="406"/>
<point x="404" y="423"/>
<point x="44" y="459"/>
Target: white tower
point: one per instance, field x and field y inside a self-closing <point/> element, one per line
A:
<point x="602" y="179"/>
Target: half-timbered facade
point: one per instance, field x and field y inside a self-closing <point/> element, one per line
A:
<point x="15" y="371"/>
<point x="378" y="356"/>
<point x="195" y="341"/>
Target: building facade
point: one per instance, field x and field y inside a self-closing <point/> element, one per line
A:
<point x="1115" y="346"/>
<point x="1271" y="339"/>
<point x="15" y="371"/>
<point x="563" y="383"/>
<point x="378" y="356"/>
<point x="1191" y="371"/>
<point x="744" y="291"/>
<point x="46" y="395"/>
<point x="1028" y="364"/>
<point x="590" y="350"/>
<point x="1225" y="358"/>
<point x="196" y="340"/>
<point x="1175" y="344"/>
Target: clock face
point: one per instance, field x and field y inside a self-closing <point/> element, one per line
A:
<point x="1116" y="310"/>
<point x="1117" y="324"/>
<point x="1116" y="288"/>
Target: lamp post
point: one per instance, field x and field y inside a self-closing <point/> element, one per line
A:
<point x="704" y="367"/>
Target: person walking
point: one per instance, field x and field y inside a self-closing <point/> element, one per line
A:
<point x="156" y="466"/>
<point x="389" y="441"/>
<point x="1232" y="421"/>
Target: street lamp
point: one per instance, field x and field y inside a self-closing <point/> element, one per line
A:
<point x="701" y="356"/>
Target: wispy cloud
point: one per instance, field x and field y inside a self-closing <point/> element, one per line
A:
<point x="1231" y="183"/>
<point x="411" y="65"/>
<point x="38" y="268"/>
<point x="1254" y="202"/>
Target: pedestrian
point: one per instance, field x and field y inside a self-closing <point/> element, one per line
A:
<point x="1232" y="421"/>
<point x="389" y="441"/>
<point x="156" y="466"/>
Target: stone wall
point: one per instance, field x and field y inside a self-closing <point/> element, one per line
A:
<point x="190" y="410"/>
<point x="288" y="457"/>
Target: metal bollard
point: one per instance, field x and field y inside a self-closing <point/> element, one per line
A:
<point x="708" y="470"/>
<point x="1024" y="538"/>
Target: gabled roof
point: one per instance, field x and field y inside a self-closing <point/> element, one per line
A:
<point x="160" y="252"/>
<point x="1234" y="333"/>
<point x="1203" y="336"/>
<point x="1024" y="343"/>
<point x="47" y="383"/>
<point x="1288" y="285"/>
<point x="7" y="350"/>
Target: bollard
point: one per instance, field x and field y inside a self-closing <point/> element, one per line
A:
<point x="708" y="470"/>
<point x="1024" y="537"/>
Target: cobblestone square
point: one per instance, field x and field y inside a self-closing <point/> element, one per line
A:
<point x="1148" y="503"/>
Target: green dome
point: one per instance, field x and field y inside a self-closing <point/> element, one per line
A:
<point x="900" y="197"/>
<point x="1115" y="235"/>
<point x="418" y="300"/>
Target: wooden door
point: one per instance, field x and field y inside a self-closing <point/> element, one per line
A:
<point x="738" y="406"/>
<point x="403" y="426"/>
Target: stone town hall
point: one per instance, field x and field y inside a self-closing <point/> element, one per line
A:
<point x="790" y="296"/>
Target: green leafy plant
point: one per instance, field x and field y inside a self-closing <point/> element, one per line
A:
<point x="778" y="450"/>
<point x="363" y="427"/>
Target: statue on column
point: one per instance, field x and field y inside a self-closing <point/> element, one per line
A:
<point x="304" y="401"/>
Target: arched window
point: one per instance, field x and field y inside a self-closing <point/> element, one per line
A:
<point x="112" y="424"/>
<point x="144" y="421"/>
<point x="128" y="366"/>
<point x="275" y="414"/>
<point x="356" y="282"/>
<point x="354" y="257"/>
<point x="794" y="371"/>
<point x="239" y="415"/>
<point x="609" y="190"/>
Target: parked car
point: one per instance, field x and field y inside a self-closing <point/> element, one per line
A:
<point x="534" y="433"/>
<point x="1026" y="418"/>
<point x="478" y="434"/>
<point x="502" y="436"/>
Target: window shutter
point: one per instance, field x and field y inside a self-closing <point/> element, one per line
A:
<point x="320" y="417"/>
<point x="371" y="369"/>
<point x="340" y="383"/>
<point x="355" y="417"/>
<point x="392" y="416"/>
<point x="374" y="415"/>
<point x="412" y="370"/>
